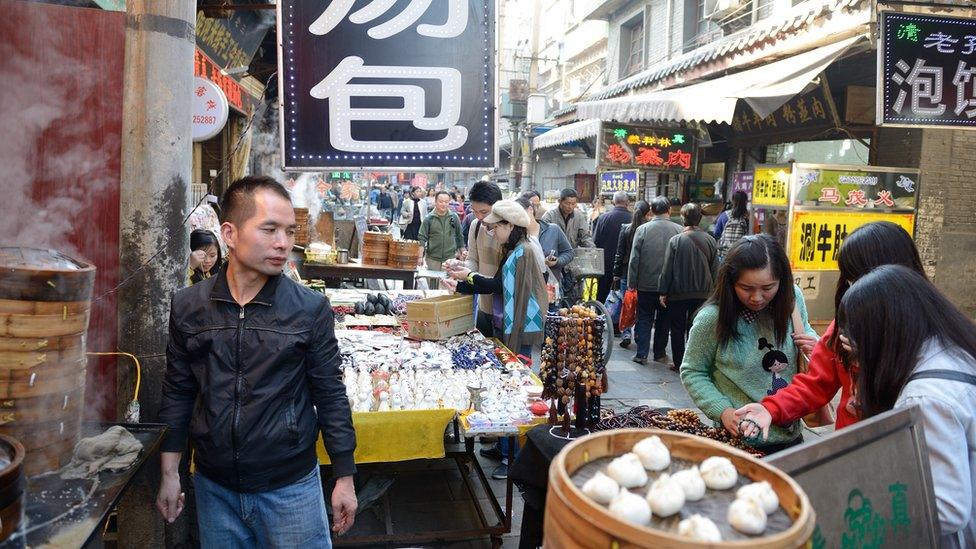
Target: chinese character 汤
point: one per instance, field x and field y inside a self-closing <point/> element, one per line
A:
<point x="457" y="18"/>
<point x="616" y="153"/>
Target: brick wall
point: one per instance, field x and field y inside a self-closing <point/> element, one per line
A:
<point x="945" y="229"/>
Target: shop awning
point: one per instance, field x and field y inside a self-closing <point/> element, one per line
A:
<point x="765" y="88"/>
<point x="568" y="133"/>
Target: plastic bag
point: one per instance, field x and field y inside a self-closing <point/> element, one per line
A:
<point x="612" y="304"/>
<point x="628" y="310"/>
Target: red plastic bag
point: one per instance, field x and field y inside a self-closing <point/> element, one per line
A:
<point x="628" y="311"/>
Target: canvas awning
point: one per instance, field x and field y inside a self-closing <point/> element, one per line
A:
<point x="568" y="133"/>
<point x="764" y="88"/>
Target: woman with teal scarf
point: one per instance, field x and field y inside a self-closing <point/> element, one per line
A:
<point x="519" y="287"/>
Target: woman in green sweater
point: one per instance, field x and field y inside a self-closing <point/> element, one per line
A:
<point x="743" y="346"/>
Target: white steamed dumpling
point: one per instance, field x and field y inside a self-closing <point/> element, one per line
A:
<point x="654" y="455"/>
<point x="699" y="528"/>
<point x="601" y="488"/>
<point x="666" y="497"/>
<point x="746" y="516"/>
<point x="630" y="507"/>
<point x="718" y="473"/>
<point x="627" y="471"/>
<point x="691" y="482"/>
<point x="762" y="493"/>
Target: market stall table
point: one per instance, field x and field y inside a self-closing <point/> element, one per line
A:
<point x="415" y="433"/>
<point x="70" y="513"/>
<point x="357" y="271"/>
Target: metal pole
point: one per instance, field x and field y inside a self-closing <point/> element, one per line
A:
<point x="156" y="164"/>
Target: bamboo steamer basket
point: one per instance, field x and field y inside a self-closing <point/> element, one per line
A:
<point x="376" y="248"/>
<point x="12" y="486"/>
<point x="573" y="520"/>
<point x="302" y="231"/>
<point x="44" y="312"/>
<point x="404" y="254"/>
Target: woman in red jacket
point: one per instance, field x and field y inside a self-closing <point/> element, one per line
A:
<point x="870" y="246"/>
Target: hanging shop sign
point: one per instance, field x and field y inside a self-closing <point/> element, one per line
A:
<point x="771" y="186"/>
<point x="817" y="235"/>
<point x="856" y="188"/>
<point x="204" y="67"/>
<point x="387" y="87"/>
<point x="657" y="149"/>
<point x="806" y="114"/>
<point x="233" y="40"/>
<point x="926" y="71"/>
<point x="622" y="180"/>
<point x="742" y="181"/>
<point x="210" y="109"/>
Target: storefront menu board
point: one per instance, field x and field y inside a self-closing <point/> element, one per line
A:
<point x="816" y="235"/>
<point x="670" y="150"/>
<point x="391" y="86"/>
<point x="926" y="71"/>
<point x="856" y="188"/>
<point x="830" y="201"/>
<point x="622" y="180"/>
<point x="870" y="484"/>
<point x="771" y="186"/>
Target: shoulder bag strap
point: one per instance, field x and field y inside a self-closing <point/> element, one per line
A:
<point x="951" y="375"/>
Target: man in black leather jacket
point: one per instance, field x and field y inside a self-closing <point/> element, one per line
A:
<point x="252" y="362"/>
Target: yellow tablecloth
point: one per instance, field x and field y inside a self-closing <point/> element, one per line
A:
<point x="396" y="435"/>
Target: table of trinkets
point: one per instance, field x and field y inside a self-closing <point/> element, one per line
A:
<point x="430" y="400"/>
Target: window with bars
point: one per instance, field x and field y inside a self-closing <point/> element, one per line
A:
<point x="634" y="44"/>
<point x="706" y="30"/>
<point x="764" y="8"/>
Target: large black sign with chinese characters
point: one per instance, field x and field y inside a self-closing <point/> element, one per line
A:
<point x="656" y="149"/>
<point x="801" y="116"/>
<point x="387" y="86"/>
<point x="927" y="71"/>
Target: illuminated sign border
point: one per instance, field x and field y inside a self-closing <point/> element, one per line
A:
<point x="290" y="150"/>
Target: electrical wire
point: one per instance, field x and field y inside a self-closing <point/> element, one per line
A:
<point x="135" y="360"/>
<point x="223" y="164"/>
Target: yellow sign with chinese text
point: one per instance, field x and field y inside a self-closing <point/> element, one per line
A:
<point x="816" y="236"/>
<point x="771" y="187"/>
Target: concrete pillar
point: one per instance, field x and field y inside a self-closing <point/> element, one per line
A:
<point x="156" y="174"/>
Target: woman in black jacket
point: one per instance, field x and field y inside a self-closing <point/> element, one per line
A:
<point x="642" y="213"/>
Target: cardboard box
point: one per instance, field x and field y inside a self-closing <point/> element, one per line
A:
<point x="419" y="329"/>
<point x="440" y="309"/>
<point x="440" y="317"/>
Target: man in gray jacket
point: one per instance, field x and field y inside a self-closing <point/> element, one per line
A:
<point x="644" y="274"/>
<point x="571" y="220"/>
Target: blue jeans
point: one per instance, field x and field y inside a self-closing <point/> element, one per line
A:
<point x="291" y="516"/>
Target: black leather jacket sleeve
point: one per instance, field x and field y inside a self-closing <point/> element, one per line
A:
<point x="623" y="253"/>
<point x="329" y="393"/>
<point x="180" y="390"/>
